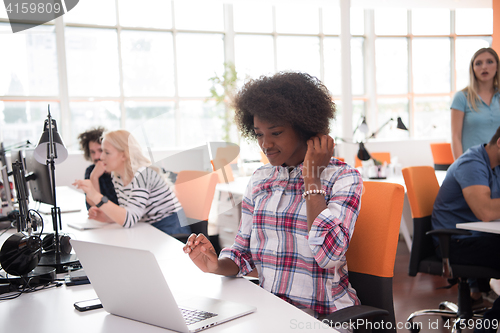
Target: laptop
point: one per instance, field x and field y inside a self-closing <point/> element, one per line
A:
<point x="148" y="301"/>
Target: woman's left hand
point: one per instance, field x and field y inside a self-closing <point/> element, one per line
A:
<point x="318" y="155"/>
<point x="98" y="215"/>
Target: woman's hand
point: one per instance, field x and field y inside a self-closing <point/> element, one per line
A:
<point x="98" y="171"/>
<point x="98" y="215"/>
<point x="318" y="155"/>
<point x="202" y="253"/>
<point x="86" y="186"/>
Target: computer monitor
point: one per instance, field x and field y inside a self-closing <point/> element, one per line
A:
<point x="39" y="178"/>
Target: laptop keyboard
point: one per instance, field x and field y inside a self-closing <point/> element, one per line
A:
<point x="194" y="316"/>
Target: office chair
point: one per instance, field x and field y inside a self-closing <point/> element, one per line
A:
<point x="371" y="255"/>
<point x="380" y="156"/>
<point x="442" y="155"/>
<point x="195" y="191"/>
<point x="422" y="188"/>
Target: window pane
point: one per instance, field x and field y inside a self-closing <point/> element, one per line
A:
<point x="194" y="70"/>
<point x="85" y="115"/>
<point x="465" y="49"/>
<point x="440" y="19"/>
<point x="92" y="60"/>
<point x="3" y="13"/>
<point x="199" y="15"/>
<point x="299" y="54"/>
<point x="358" y="111"/>
<point x="244" y="15"/>
<point x="148" y="63"/>
<point x="391" y="21"/>
<point x="152" y="124"/>
<point x="474" y="21"/>
<point x="432" y="117"/>
<point x="357" y="21"/>
<point x="249" y="62"/>
<point x="331" y="50"/>
<point x="200" y="122"/>
<point x="357" y="66"/>
<point x="29" y="66"/>
<point x="331" y="20"/>
<point x="337" y="130"/>
<point x="146" y="13"/>
<point x="387" y="109"/>
<point x="21" y="121"/>
<point x="300" y="19"/>
<point x="102" y="12"/>
<point x="431" y="70"/>
<point x="391" y="56"/>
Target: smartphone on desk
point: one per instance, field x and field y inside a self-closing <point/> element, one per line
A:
<point x="90" y="304"/>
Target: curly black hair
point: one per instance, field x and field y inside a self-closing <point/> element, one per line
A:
<point x="92" y="135"/>
<point x="293" y="98"/>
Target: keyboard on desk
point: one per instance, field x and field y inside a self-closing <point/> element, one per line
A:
<point x="194" y="316"/>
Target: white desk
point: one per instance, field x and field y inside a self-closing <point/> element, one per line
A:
<point x="492" y="227"/>
<point x="52" y="310"/>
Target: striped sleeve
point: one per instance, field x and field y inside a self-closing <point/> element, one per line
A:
<point x="147" y="199"/>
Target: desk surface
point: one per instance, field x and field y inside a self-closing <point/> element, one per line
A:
<point x="52" y="310"/>
<point x="492" y="227"/>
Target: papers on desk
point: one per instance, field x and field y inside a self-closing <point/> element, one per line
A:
<point x="88" y="225"/>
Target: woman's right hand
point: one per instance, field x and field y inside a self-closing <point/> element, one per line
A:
<point x="202" y="253"/>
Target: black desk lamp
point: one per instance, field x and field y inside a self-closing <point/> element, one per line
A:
<point x="51" y="151"/>
<point x="400" y="125"/>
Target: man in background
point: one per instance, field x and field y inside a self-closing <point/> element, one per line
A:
<point x="90" y="143"/>
<point x="471" y="192"/>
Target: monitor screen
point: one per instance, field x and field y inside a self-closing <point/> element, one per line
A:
<point x="39" y="179"/>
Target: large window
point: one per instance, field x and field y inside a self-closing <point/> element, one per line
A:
<point x="127" y="66"/>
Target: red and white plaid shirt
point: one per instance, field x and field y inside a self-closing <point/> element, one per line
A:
<point x="307" y="269"/>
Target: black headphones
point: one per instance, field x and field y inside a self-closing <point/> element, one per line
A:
<point x="49" y="243"/>
<point x="20" y="253"/>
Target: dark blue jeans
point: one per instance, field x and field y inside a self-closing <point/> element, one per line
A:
<point x="174" y="224"/>
<point x="480" y="251"/>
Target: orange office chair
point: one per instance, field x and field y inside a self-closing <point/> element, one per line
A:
<point x="339" y="158"/>
<point x="224" y="157"/>
<point x="372" y="253"/>
<point x="263" y="158"/>
<point x="195" y="191"/>
<point x="380" y="156"/>
<point x="442" y="155"/>
<point x="422" y="188"/>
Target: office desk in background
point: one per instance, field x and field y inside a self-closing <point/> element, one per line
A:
<point x="52" y="310"/>
<point x="491" y="227"/>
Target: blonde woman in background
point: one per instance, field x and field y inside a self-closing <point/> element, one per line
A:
<point x="143" y="195"/>
<point x="475" y="110"/>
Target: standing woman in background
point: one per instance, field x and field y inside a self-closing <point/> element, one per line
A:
<point x="475" y="110"/>
<point x="143" y="195"/>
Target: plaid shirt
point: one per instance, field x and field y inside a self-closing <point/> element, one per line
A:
<point x="307" y="269"/>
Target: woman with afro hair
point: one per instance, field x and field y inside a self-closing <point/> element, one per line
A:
<point x="299" y="211"/>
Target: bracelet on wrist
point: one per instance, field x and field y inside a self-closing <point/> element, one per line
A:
<point x="306" y="193"/>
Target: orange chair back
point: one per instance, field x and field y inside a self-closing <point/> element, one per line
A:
<point x="339" y="158"/>
<point x="421" y="188"/>
<point x="441" y="153"/>
<point x="375" y="239"/>
<point x="263" y="157"/>
<point x="195" y="191"/>
<point x="380" y="156"/>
